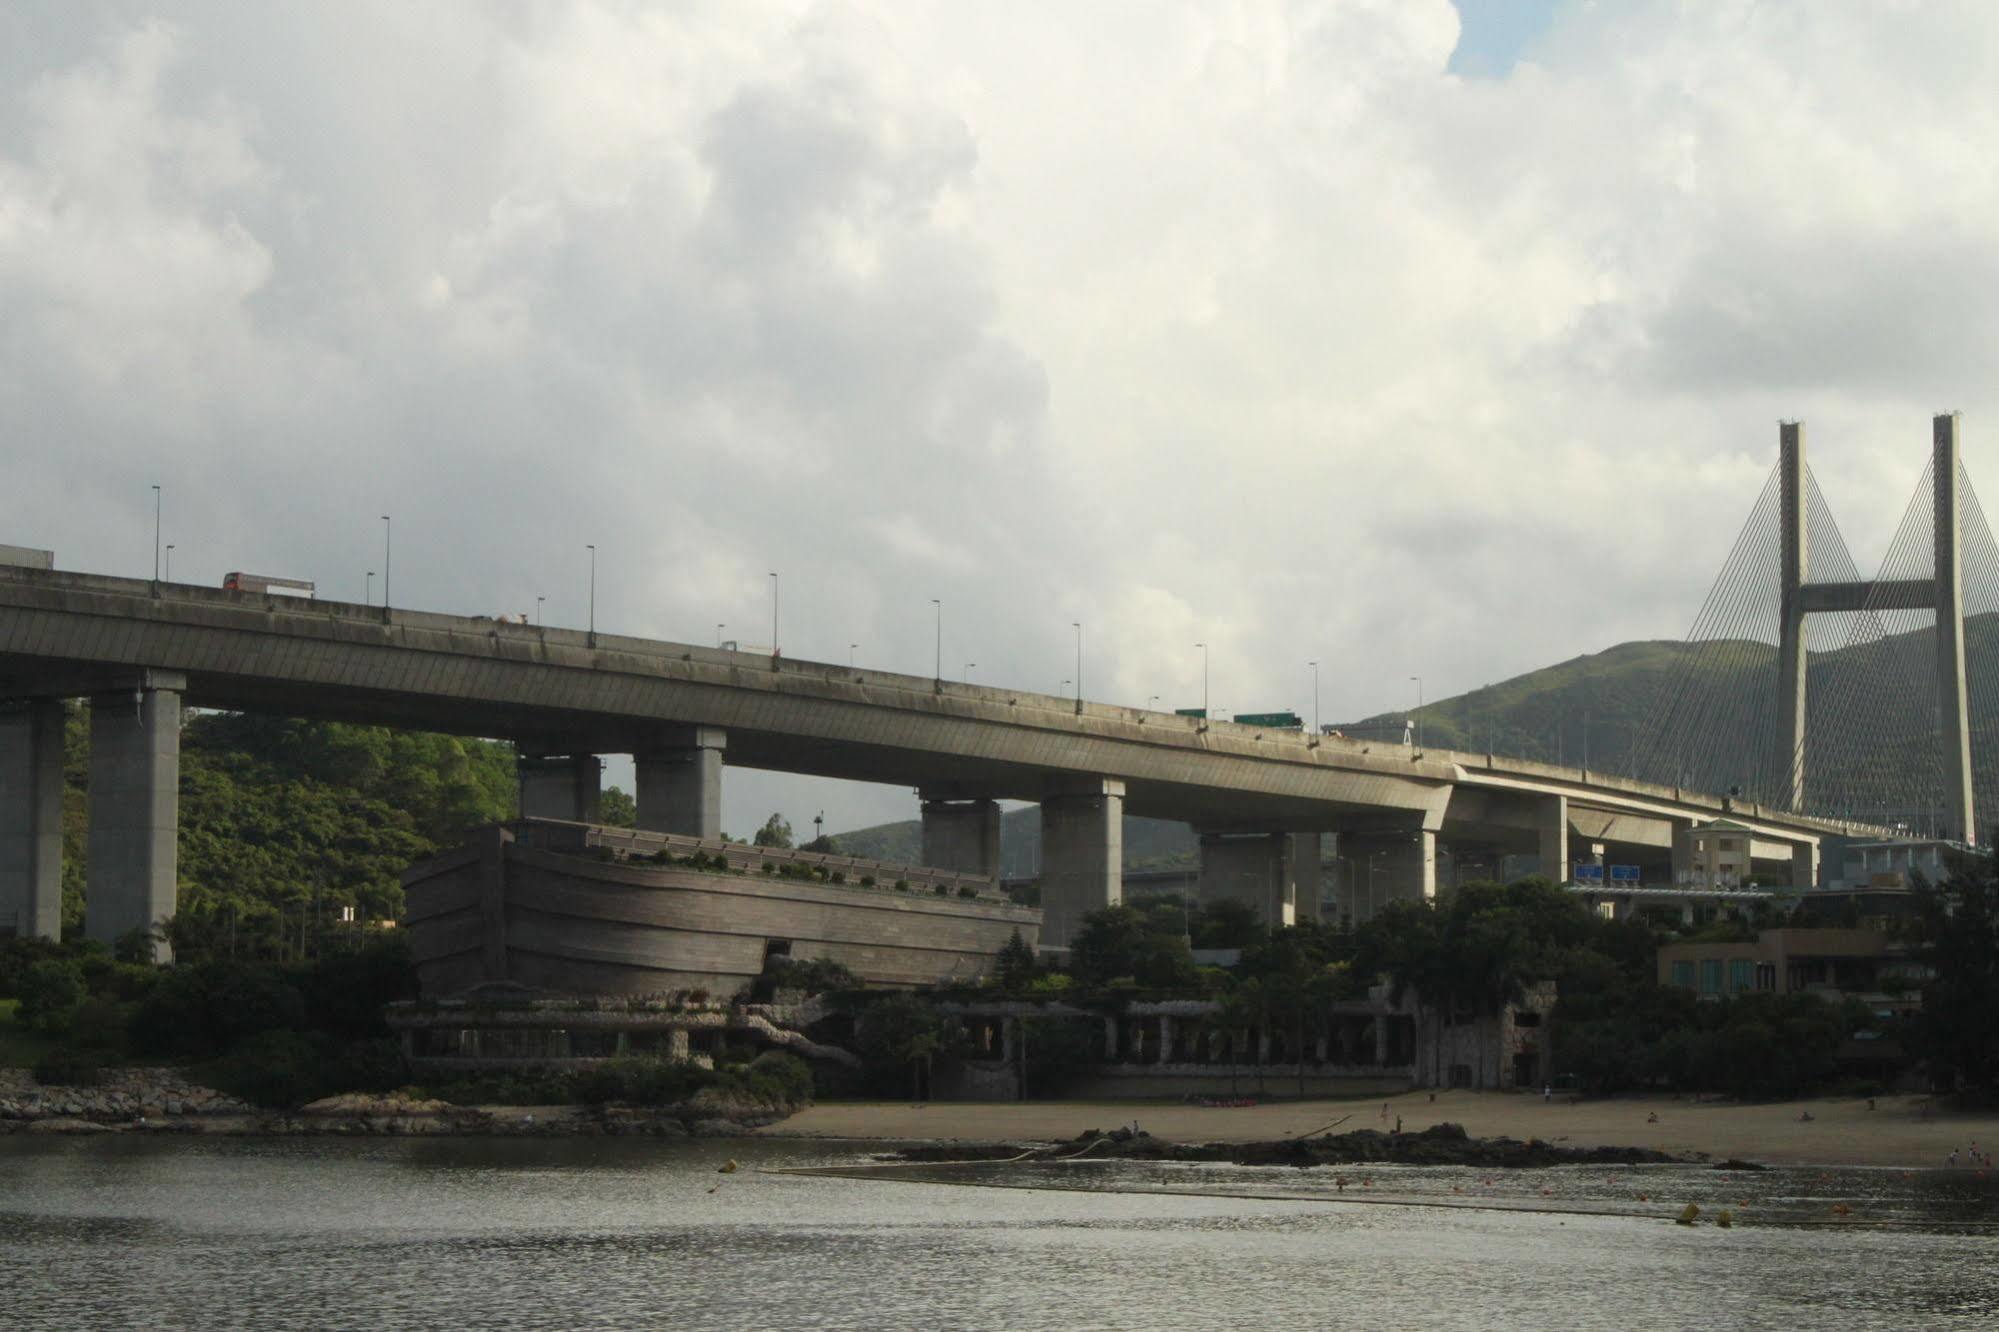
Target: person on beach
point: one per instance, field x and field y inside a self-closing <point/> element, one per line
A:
<point x="1547" y="1092"/>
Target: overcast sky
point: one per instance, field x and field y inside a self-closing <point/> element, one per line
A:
<point x="1302" y="330"/>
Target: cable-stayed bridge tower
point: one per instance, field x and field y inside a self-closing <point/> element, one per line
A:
<point x="1871" y="714"/>
<point x="1942" y="593"/>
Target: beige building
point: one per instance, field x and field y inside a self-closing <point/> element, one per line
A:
<point x="1787" y="961"/>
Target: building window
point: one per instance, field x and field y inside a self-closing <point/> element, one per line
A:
<point x="1683" y="975"/>
<point x="1710" y="975"/>
<point x="1766" y="975"/>
<point x="1741" y="974"/>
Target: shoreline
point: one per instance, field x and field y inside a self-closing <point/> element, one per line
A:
<point x="1841" y="1131"/>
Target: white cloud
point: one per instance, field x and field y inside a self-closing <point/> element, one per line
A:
<point x="1244" y="324"/>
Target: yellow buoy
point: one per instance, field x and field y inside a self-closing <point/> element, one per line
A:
<point x="728" y="1169"/>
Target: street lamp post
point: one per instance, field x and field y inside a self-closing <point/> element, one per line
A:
<point x="938" y="602"/>
<point x="719" y="627"/>
<point x="774" y="653"/>
<point x="368" y="589"/>
<point x="1204" y="684"/>
<point x="168" y="577"/>
<point x="852" y="648"/>
<point x="1077" y="625"/>
<point x="1419" y="710"/>
<point x="156" y="535"/>
<point x="593" y="593"/>
<point x="537" y="611"/>
<point x="388" y="533"/>
<point x="968" y="671"/>
<point x="1315" y="696"/>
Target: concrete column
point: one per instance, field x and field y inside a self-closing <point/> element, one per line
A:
<point x="565" y="786"/>
<point x="676" y="1044"/>
<point x="31" y="791"/>
<point x="1795" y="570"/>
<point x="1804" y="865"/>
<point x="1553" y="820"/>
<point x="1683" y="852"/>
<point x="1165" y="1039"/>
<point x="1007" y="1027"/>
<point x="1082" y="856"/>
<point x="1110" y="1040"/>
<point x="1137" y="1028"/>
<point x="134" y="809"/>
<point x="679" y="780"/>
<point x="1380" y="1034"/>
<point x="1253" y="869"/>
<point x="962" y="835"/>
<point x="1305" y="855"/>
<point x="1953" y="709"/>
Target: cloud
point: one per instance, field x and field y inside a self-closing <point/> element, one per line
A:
<point x="1253" y="325"/>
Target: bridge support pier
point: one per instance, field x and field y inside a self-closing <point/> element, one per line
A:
<point x="679" y="779"/>
<point x="1391" y="867"/>
<point x="962" y="835"/>
<point x="1553" y="831"/>
<point x="560" y="786"/>
<point x="1082" y="856"/>
<point x="1306" y="850"/>
<point x="1804" y="865"/>
<point x="31" y="790"/>
<point x="1254" y="869"/>
<point x="134" y="808"/>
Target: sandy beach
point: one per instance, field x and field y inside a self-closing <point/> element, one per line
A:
<point x="1840" y="1132"/>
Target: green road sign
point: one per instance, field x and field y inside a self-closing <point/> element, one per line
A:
<point x="1282" y="721"/>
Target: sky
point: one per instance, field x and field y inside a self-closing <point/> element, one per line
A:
<point x="1415" y="342"/>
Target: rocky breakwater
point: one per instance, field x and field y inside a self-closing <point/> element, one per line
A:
<point x="125" y="1098"/>
<point x="1439" y="1145"/>
<point x="708" y="1113"/>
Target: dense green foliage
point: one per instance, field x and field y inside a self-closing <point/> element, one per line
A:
<point x="284" y="823"/>
<point x="274" y="1033"/>
<point x="1957" y="1030"/>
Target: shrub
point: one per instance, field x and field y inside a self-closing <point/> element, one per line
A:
<point x="639" y="1082"/>
<point x="941" y="889"/>
<point x="67" y="1068"/>
<point x="769" y="868"/>
<point x="967" y="890"/>
<point x="839" y="876"/>
<point x="276" y="1069"/>
<point x="778" y="1076"/>
<point x="902" y="885"/>
<point x="98" y="1024"/>
<point x="50" y="992"/>
<point x="206" y="1009"/>
<point x="867" y="881"/>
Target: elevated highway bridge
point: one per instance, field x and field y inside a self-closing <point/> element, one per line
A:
<point x="141" y="651"/>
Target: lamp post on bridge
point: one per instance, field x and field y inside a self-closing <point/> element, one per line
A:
<point x="1315" y="698"/>
<point x="938" y="602"/>
<point x="1077" y="625"/>
<point x="156" y="538"/>
<point x="1418" y="716"/>
<point x="593" y="594"/>
<point x="537" y="611"/>
<point x="168" y="577"/>
<point x="1204" y="684"/>
<point x="388" y="531"/>
<point x="774" y="652"/>
<point x="368" y="589"/>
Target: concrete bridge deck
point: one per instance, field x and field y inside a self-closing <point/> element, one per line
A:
<point x="140" y="651"/>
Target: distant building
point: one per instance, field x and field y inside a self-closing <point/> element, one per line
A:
<point x="1828" y="962"/>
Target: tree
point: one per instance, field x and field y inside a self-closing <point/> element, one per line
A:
<point x="1957" y="928"/>
<point x="1015" y="966"/>
<point x="50" y="991"/>
<point x="616" y="809"/>
<point x="1108" y="945"/>
<point x="775" y="833"/>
